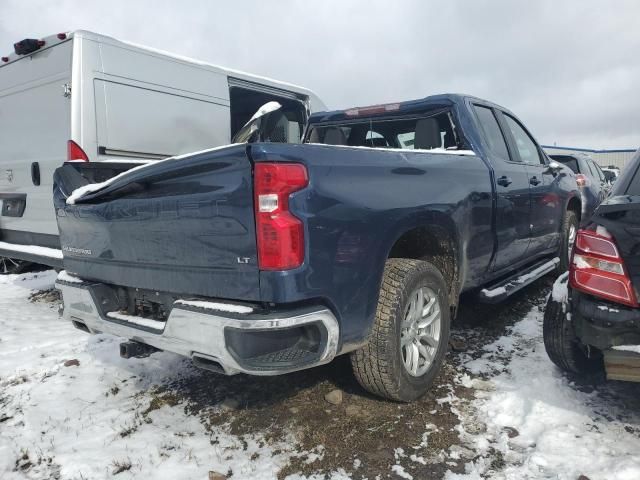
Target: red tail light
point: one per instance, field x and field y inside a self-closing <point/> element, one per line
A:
<point x="280" y="235"/>
<point x="582" y="180"/>
<point x="598" y="269"/>
<point x="75" y="153"/>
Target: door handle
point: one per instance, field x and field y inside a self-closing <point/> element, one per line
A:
<point x="504" y="181"/>
<point x="534" y="181"/>
<point x="35" y="173"/>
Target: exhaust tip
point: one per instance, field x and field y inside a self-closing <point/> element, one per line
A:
<point x="207" y="363"/>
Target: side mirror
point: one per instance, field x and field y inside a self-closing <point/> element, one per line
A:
<point x="554" y="167"/>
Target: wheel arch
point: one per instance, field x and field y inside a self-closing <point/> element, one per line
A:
<point x="435" y="242"/>
<point x="575" y="205"/>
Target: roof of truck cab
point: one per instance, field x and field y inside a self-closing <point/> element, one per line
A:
<point x="405" y="107"/>
<point x="210" y="66"/>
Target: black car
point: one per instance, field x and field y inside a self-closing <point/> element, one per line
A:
<point x="590" y="178"/>
<point x="592" y="320"/>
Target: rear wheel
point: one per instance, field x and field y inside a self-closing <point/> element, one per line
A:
<point x="409" y="339"/>
<point x="569" y="232"/>
<point x="10" y="266"/>
<point x="562" y="344"/>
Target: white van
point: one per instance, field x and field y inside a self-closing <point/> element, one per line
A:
<point x="87" y="97"/>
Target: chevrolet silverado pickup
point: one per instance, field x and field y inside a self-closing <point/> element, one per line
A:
<point x="263" y="257"/>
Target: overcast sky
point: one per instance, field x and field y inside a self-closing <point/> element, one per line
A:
<point x="570" y="70"/>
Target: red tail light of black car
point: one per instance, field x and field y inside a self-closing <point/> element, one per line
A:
<point x="597" y="268"/>
<point x="280" y="234"/>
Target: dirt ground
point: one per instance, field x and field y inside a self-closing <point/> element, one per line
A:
<point x="362" y="435"/>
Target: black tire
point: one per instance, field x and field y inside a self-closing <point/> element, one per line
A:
<point x="562" y="344"/>
<point x="379" y="365"/>
<point x="570" y="221"/>
<point x="12" y="266"/>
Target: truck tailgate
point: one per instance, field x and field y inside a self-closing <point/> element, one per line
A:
<point x="183" y="225"/>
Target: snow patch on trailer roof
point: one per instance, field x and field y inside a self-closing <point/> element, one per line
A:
<point x="80" y="192"/>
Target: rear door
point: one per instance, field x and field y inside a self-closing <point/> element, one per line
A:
<point x="546" y="206"/>
<point x="35" y="123"/>
<point x="514" y="204"/>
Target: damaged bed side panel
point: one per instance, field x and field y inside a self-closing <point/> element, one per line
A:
<point x="184" y="226"/>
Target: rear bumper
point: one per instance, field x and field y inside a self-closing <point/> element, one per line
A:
<point x="603" y="324"/>
<point x="270" y="343"/>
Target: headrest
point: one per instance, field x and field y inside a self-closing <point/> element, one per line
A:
<point x="427" y="134"/>
<point x="334" y="136"/>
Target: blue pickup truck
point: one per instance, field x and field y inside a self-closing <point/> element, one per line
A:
<point x="264" y="258"/>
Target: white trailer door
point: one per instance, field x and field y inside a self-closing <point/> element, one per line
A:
<point x="35" y="123"/>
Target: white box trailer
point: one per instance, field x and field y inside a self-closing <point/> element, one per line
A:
<point x="88" y="97"/>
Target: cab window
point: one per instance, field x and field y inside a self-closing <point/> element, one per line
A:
<point x="426" y="132"/>
<point x="492" y="132"/>
<point x="527" y="148"/>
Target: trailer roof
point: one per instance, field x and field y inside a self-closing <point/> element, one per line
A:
<point x="56" y="39"/>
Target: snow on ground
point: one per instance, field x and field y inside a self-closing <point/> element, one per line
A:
<point x="91" y="420"/>
<point x="103" y="416"/>
<point x="539" y="424"/>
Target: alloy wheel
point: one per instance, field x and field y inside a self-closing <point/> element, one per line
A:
<point x="420" y="333"/>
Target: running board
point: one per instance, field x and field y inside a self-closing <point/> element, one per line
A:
<point x="622" y="365"/>
<point x="501" y="290"/>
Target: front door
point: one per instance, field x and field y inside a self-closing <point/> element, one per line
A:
<point x="513" y="200"/>
<point x="546" y="206"/>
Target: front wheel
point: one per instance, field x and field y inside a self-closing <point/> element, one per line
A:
<point x="409" y="339"/>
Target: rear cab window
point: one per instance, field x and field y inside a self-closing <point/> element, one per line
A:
<point x="427" y="131"/>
